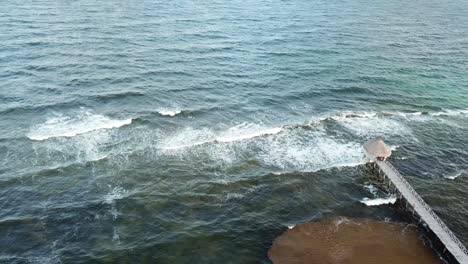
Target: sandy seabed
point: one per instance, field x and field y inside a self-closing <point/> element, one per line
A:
<point x="346" y="240"/>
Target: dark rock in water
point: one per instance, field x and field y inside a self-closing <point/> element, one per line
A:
<point x="349" y="241"/>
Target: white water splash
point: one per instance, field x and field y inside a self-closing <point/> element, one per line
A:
<point x="451" y="112"/>
<point x="169" y="112"/>
<point x="378" y="201"/>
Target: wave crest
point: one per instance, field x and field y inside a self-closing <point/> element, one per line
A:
<point x="188" y="138"/>
<point x="71" y="126"/>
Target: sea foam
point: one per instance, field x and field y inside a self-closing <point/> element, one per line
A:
<point x="190" y="137"/>
<point x="169" y="112"/>
<point x="375" y="125"/>
<point x="378" y="201"/>
<point x="70" y="126"/>
<point x="240" y="135"/>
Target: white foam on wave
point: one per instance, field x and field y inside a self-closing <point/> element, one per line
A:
<point x="372" y="189"/>
<point x="406" y="115"/>
<point x="292" y="151"/>
<point x="187" y="138"/>
<point x="394" y="147"/>
<point x="451" y="112"/>
<point x="371" y="124"/>
<point x="190" y="137"/>
<point x="70" y="126"/>
<point x="169" y="112"/>
<point x="454" y="175"/>
<point x="244" y="132"/>
<point x="287" y="149"/>
<point x="374" y="125"/>
<point x="378" y="201"/>
<point x="343" y="116"/>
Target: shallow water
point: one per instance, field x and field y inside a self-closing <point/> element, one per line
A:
<point x="344" y="240"/>
<point x="182" y="132"/>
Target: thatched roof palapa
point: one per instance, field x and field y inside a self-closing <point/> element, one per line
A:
<point x="376" y="147"/>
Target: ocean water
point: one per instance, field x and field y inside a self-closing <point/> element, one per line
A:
<point x="197" y="132"/>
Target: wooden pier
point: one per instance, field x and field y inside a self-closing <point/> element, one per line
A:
<point x="442" y="238"/>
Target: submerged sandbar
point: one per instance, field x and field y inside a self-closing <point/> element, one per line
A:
<point x="347" y="240"/>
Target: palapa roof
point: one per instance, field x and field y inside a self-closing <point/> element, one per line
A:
<point x="376" y="147"/>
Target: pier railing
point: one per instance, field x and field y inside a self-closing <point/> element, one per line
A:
<point x="427" y="208"/>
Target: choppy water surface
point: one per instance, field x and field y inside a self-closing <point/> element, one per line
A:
<point x="191" y="132"/>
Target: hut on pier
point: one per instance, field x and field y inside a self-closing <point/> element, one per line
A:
<point x="377" y="149"/>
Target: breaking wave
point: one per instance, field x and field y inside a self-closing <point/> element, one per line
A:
<point x="236" y="135"/>
<point x="191" y="137"/>
<point x="69" y="126"/>
<point x="292" y="147"/>
<point x="284" y="148"/>
<point x="309" y="152"/>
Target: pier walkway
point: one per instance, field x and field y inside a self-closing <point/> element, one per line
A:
<point x="426" y="214"/>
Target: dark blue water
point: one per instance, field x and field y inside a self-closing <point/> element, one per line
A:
<point x="196" y="132"/>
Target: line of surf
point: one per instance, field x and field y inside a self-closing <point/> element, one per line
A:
<point x="371" y="114"/>
<point x="68" y="126"/>
<point x="227" y="137"/>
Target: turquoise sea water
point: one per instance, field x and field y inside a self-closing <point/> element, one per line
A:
<point x="196" y="132"/>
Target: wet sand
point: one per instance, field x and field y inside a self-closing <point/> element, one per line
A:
<point x="351" y="241"/>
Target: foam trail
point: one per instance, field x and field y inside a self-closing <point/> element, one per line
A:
<point x="66" y="126"/>
<point x="116" y="193"/>
<point x="378" y="201"/>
